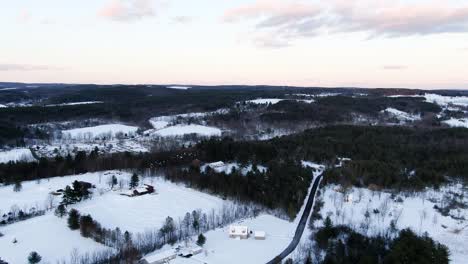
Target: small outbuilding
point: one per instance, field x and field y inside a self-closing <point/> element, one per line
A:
<point x="259" y="235"/>
<point x="237" y="231"/>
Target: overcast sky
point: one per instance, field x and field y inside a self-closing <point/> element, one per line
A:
<point x="367" y="43"/>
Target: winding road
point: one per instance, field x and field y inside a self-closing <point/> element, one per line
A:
<point x="301" y="226"/>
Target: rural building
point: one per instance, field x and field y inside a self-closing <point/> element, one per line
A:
<point x="236" y="231"/>
<point x="147" y="189"/>
<point x="190" y="251"/>
<point x="159" y="258"/>
<point x="260" y="235"/>
<point x="216" y="166"/>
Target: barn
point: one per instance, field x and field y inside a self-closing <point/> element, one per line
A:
<point x="159" y="258"/>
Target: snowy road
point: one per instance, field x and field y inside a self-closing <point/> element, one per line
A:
<point x="301" y="226"/>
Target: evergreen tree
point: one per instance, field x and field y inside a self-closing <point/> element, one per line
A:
<point x="34" y="258"/>
<point x="201" y="240"/>
<point x="60" y="211"/>
<point x="73" y="219"/>
<point x="113" y="181"/>
<point x="134" y="181"/>
<point x="18" y="186"/>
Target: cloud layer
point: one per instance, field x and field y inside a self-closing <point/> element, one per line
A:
<point x="127" y="10"/>
<point x="284" y="21"/>
<point x="24" y="67"/>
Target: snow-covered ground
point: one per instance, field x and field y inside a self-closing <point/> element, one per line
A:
<point x="457" y="122"/>
<point x="109" y="146"/>
<point x="446" y="100"/>
<point x="109" y="130"/>
<point x="265" y="101"/>
<point x="76" y="103"/>
<point x="401" y="115"/>
<point x="48" y="235"/>
<point x="416" y="212"/>
<point x="229" y="166"/>
<point x="220" y="248"/>
<point x="137" y="214"/>
<point x="180" y="130"/>
<point x="3" y="106"/>
<point x="276" y="100"/>
<point x="178" y="87"/>
<point x="19" y="154"/>
<point x="36" y="193"/>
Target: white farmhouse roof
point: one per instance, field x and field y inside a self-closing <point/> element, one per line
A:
<point x="160" y="256"/>
<point x="260" y="234"/>
<point x="238" y="230"/>
<point x="216" y="164"/>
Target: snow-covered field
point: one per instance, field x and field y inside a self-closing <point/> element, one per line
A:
<point x="183" y="124"/>
<point x="446" y="100"/>
<point x="416" y="212"/>
<point x="48" y="235"/>
<point x="19" y="154"/>
<point x="276" y="100"/>
<point x="109" y="146"/>
<point x="36" y="193"/>
<point x="220" y="248"/>
<point x="76" y="103"/>
<point x="401" y="115"/>
<point x="109" y="130"/>
<point x="265" y="101"/>
<point x="178" y="87"/>
<point x="228" y="167"/>
<point x="180" y="130"/>
<point x="137" y="214"/>
<point x="457" y="122"/>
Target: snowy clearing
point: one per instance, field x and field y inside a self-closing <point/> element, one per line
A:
<point x="220" y="248"/>
<point x="36" y="193"/>
<point x="446" y="100"/>
<point x="228" y="167"/>
<point x="416" y="212"/>
<point x="3" y="106"/>
<point x="19" y="154"/>
<point x="181" y="130"/>
<point x="48" y="235"/>
<point x="109" y="130"/>
<point x="76" y="103"/>
<point x="137" y="214"/>
<point x="110" y="146"/>
<point x="454" y="122"/>
<point x="400" y="115"/>
<point x="177" y="87"/>
<point x="265" y="101"/>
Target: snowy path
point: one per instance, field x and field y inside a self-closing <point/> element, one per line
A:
<point x="301" y="225"/>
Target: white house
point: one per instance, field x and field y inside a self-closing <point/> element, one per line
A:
<point x="260" y="235"/>
<point x="217" y="166"/>
<point x="159" y="258"/>
<point x="236" y="231"/>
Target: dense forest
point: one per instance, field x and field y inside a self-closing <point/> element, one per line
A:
<point x="343" y="245"/>
<point x="385" y="156"/>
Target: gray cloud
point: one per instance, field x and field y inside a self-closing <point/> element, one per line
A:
<point x="25" y="67"/>
<point x="182" y="19"/>
<point x="295" y="19"/>
<point x="394" y="67"/>
<point x="127" y="10"/>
